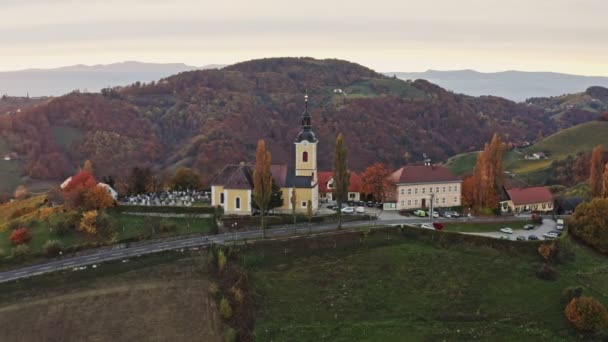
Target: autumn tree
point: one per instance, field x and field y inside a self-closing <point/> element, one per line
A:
<point x="87" y="167"/>
<point x="605" y="182"/>
<point x="375" y="181"/>
<point x="589" y="224"/>
<point x="341" y="175"/>
<point x="185" y="178"/>
<point x="98" y="198"/>
<point x="488" y="176"/>
<point x="20" y="236"/>
<point x="587" y="315"/>
<point x="595" y="173"/>
<point x="139" y="180"/>
<point x="88" y="222"/>
<point x="262" y="182"/>
<point x="468" y="191"/>
<point x="74" y="192"/>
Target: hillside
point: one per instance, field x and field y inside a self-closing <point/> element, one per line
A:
<point x="580" y="138"/>
<point x="207" y="118"/>
<point x="575" y="108"/>
<point x="513" y="85"/>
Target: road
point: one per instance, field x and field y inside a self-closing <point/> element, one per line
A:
<point x="96" y="257"/>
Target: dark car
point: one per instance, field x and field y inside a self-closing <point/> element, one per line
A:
<point x="532" y="237"/>
<point x="559" y="233"/>
<point x="521" y="238"/>
<point x="331" y="206"/>
<point x="528" y="227"/>
<point x="379" y="205"/>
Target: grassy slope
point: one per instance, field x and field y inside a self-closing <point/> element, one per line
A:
<point x="411" y="290"/>
<point x="160" y="298"/>
<point x="581" y="138"/>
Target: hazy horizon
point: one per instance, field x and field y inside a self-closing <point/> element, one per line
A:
<point x="487" y="36"/>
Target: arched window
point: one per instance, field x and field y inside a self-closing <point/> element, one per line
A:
<point x="305" y="157"/>
<point x="237" y="203"/>
<point x="222" y="198"/>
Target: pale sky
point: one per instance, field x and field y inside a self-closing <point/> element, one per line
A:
<point x="568" y="36"/>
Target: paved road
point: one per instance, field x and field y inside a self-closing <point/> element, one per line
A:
<point x="96" y="257"/>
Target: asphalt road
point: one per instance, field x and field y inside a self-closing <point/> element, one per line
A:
<point x="96" y="257"/>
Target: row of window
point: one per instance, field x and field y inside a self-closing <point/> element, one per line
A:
<point x="416" y="202"/>
<point x="423" y="190"/>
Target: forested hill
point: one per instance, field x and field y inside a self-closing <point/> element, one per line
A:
<point x="207" y="118"/>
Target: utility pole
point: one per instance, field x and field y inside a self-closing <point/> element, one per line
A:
<point x="431" y="205"/>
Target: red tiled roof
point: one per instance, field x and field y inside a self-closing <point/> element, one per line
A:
<point x="522" y="196"/>
<point x="353" y="186"/>
<point x="423" y="174"/>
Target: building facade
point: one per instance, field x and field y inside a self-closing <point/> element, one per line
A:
<point x="326" y="187"/>
<point x="520" y="200"/>
<point x="232" y="186"/>
<point x="416" y="186"/>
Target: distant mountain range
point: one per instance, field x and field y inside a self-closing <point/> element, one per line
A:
<point x="513" y="85"/>
<point x="91" y="78"/>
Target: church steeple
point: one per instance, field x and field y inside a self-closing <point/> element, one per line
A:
<point x="306" y="133"/>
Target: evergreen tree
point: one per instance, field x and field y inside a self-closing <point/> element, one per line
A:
<point x="341" y="175"/>
<point x="294" y="202"/>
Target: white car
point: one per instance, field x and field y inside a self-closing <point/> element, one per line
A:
<point x="506" y="230"/>
<point x="360" y="210"/>
<point x="548" y="236"/>
<point x="435" y="214"/>
<point x="427" y="226"/>
<point x="348" y="210"/>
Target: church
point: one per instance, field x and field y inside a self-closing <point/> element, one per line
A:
<point x="232" y="186"/>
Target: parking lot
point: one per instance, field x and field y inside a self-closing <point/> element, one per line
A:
<point x="547" y="226"/>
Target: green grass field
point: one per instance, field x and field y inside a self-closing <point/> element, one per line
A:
<point x="412" y="290"/>
<point x="581" y="138"/>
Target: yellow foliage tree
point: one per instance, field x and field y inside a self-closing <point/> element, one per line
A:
<point x="546" y="250"/>
<point x="88" y="222"/>
<point x="97" y="197"/>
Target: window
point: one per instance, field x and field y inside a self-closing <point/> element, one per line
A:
<point x="443" y="189"/>
<point x="436" y="199"/>
<point x="422" y="190"/>
<point x="222" y="198"/>
<point x="409" y="202"/>
<point x="416" y="202"/>
<point x="305" y="156"/>
<point x="351" y="195"/>
<point x="416" y="190"/>
<point x="544" y="205"/>
<point x="443" y="200"/>
<point x="437" y="189"/>
<point x="237" y="203"/>
<point x="402" y="203"/>
<point x="455" y="199"/>
<point x="402" y="191"/>
<point x="409" y="191"/>
<point x="449" y="189"/>
<point x="456" y="188"/>
<point x="304" y="204"/>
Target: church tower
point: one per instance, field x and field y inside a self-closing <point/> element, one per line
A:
<point x="306" y="147"/>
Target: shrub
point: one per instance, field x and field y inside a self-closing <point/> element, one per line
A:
<point x="2" y="253"/>
<point x="13" y="225"/>
<point x="20" y="236"/>
<point x="52" y="248"/>
<point x="21" y="251"/>
<point x="546" y="272"/>
<point x="570" y="293"/>
<point x="88" y="222"/>
<point x="225" y="309"/>
<point x="587" y="315"/>
<point x="546" y="250"/>
<point x="61" y="226"/>
<point x="231" y="335"/>
<point x="221" y="260"/>
<point x="105" y="226"/>
<point x="167" y="226"/>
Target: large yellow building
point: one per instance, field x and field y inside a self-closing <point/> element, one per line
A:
<point x="232" y="186"/>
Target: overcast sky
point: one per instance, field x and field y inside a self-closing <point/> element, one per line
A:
<point x="488" y="35"/>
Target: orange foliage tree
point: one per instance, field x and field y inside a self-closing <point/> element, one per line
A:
<point x="487" y="177"/>
<point x="262" y="181"/>
<point x="587" y="315"/>
<point x="595" y="174"/>
<point x="375" y="181"/>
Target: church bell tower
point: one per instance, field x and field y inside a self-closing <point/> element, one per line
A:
<point x="306" y="147"/>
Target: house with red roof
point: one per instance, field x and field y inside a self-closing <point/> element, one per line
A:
<point x="417" y="185"/>
<point x="519" y="200"/>
<point x="326" y="186"/>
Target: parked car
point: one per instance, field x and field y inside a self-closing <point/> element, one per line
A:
<point x="560" y="224"/>
<point x="521" y="238"/>
<point x="454" y="214"/>
<point x="435" y="214"/>
<point x="506" y="230"/>
<point x="360" y="210"/>
<point x="528" y="227"/>
<point x="370" y="204"/>
<point x="348" y="210"/>
<point x="331" y="206"/>
<point x="532" y="237"/>
<point x="420" y="213"/>
<point x="556" y="232"/>
<point x="504" y="237"/>
<point x="549" y="236"/>
<point x="427" y="226"/>
<point x="446" y="214"/>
